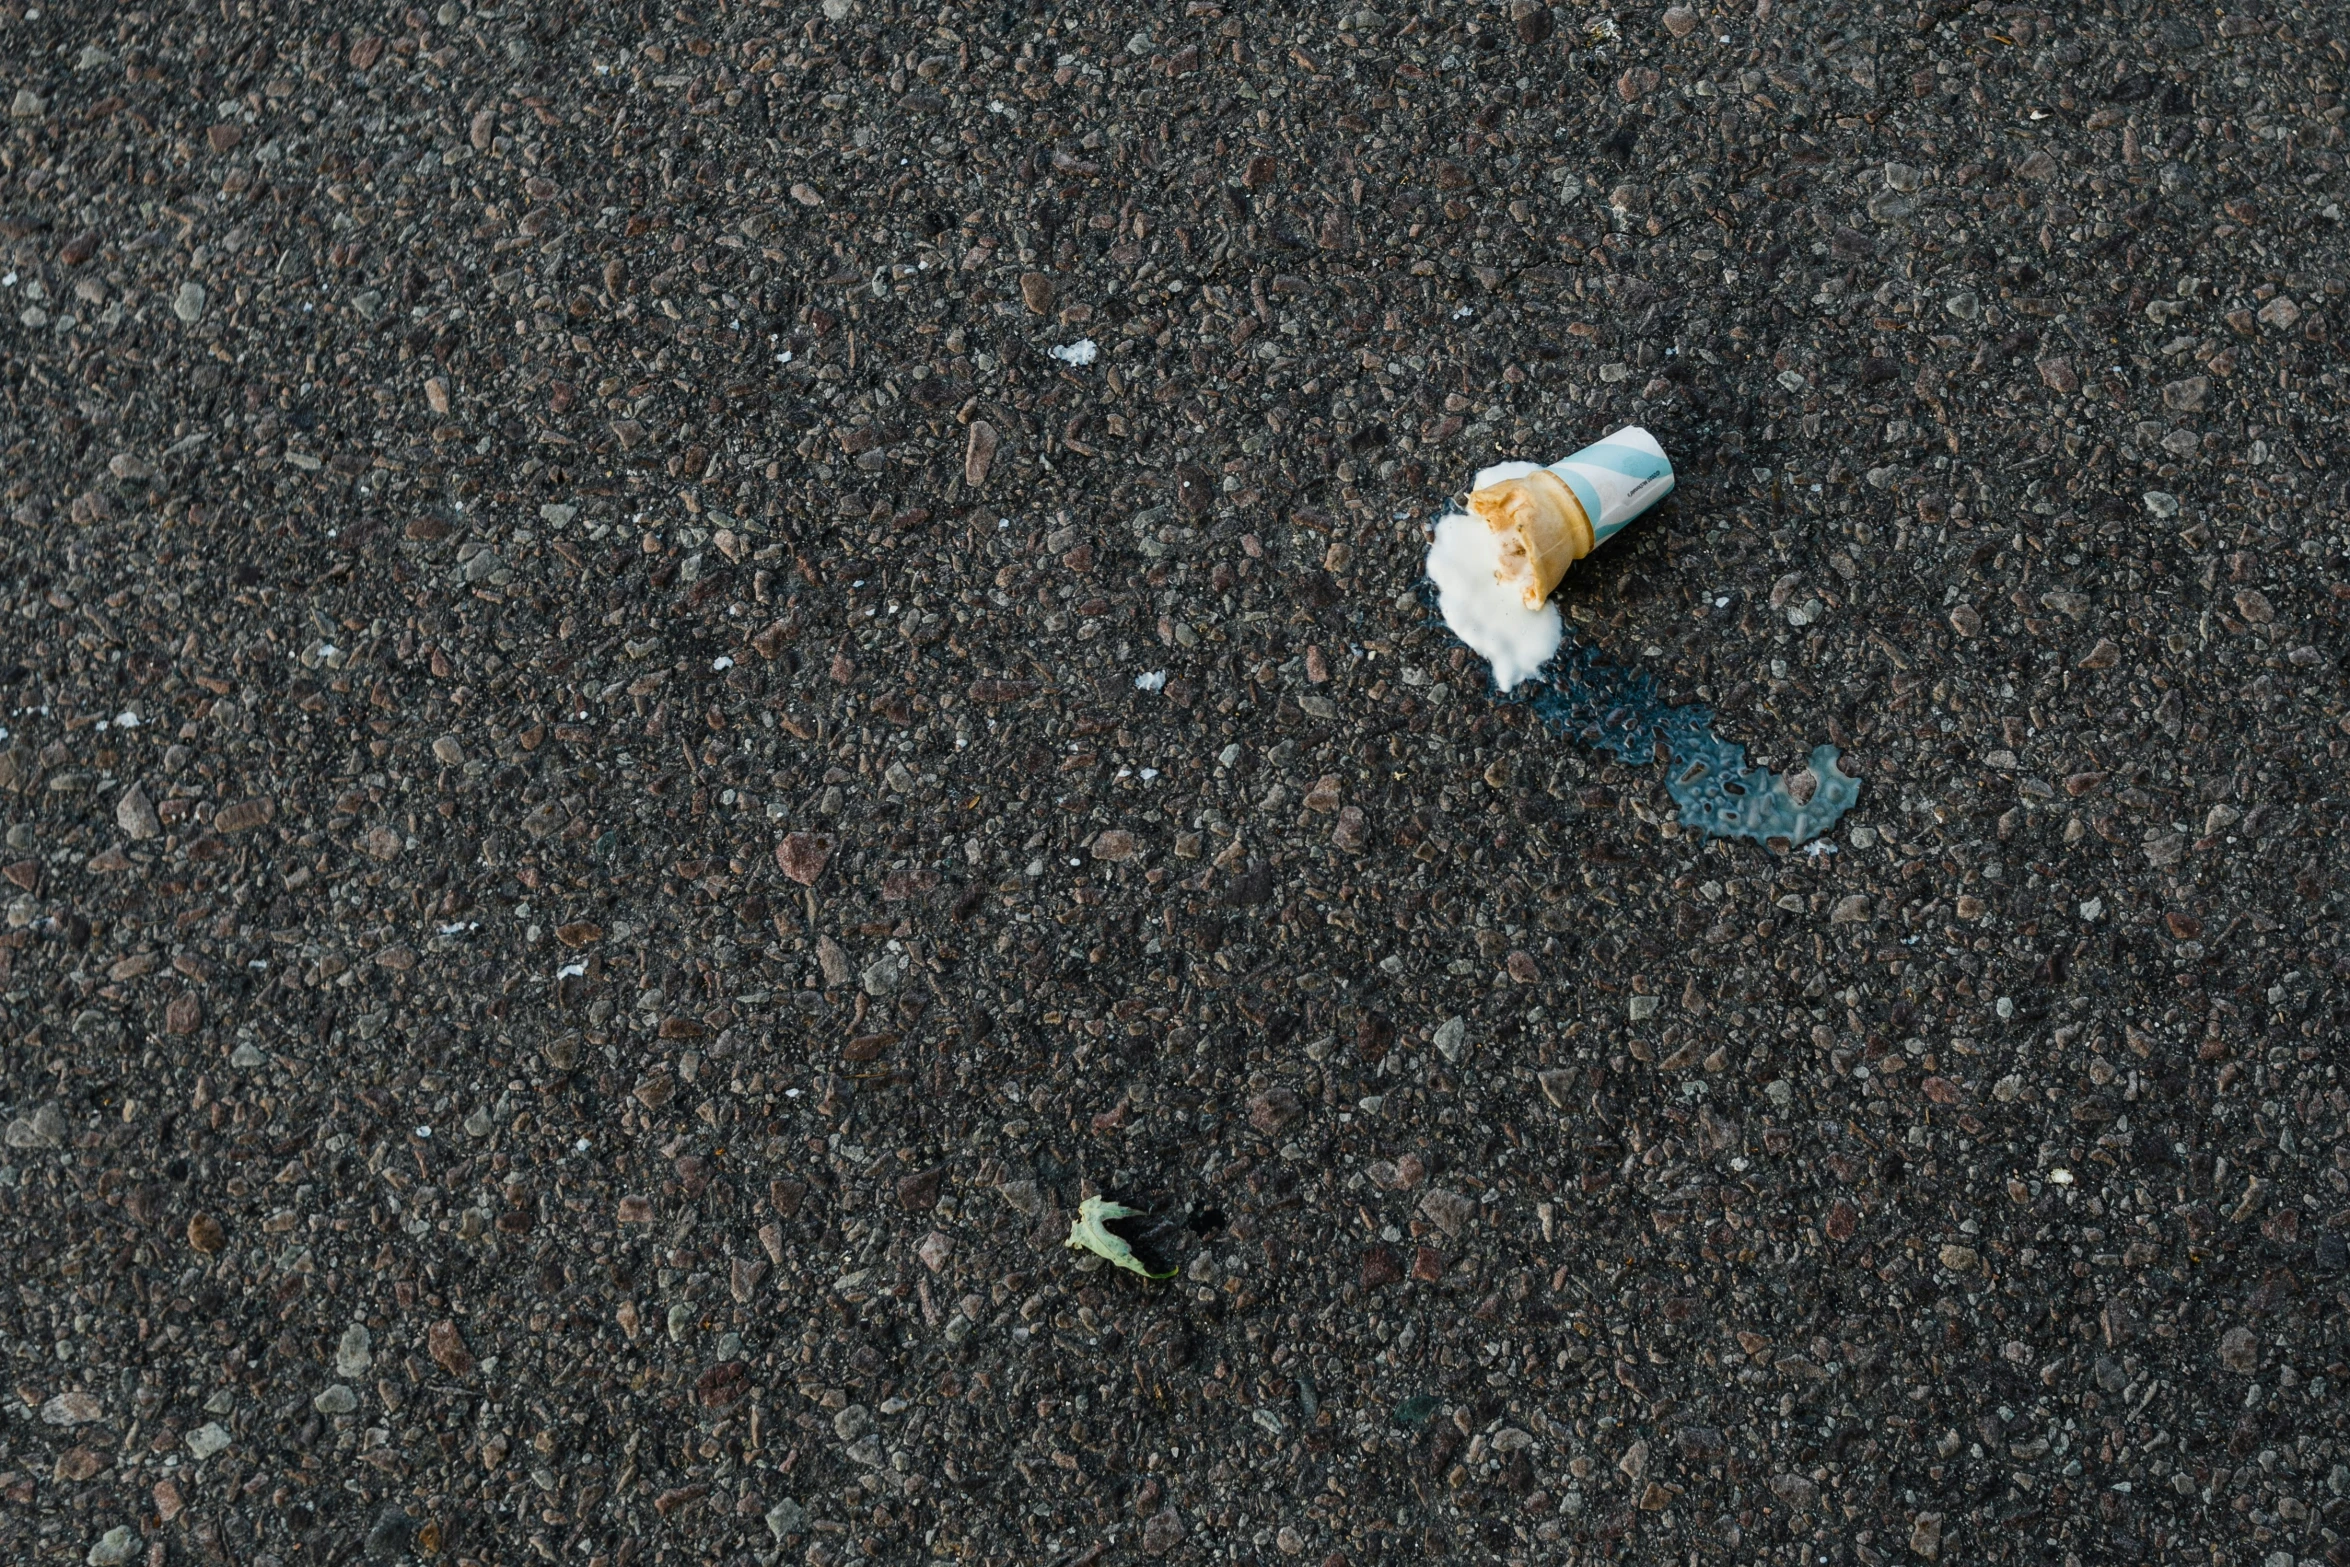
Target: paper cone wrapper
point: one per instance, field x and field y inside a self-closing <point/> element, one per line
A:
<point x="1552" y="517"/>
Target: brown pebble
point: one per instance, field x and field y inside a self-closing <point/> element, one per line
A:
<point x="205" y="1234"/>
<point x="446" y="1345"/>
<point x="2103" y="656"/>
<point x="978" y="453"/>
<point x="1273" y="1109"/>
<point x="802" y="856"/>
<point x="1036" y="292"/>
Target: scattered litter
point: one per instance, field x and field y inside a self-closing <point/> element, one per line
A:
<point x="1154" y="681"/>
<point x="1080" y="353"/>
<point x="1092" y="1231"/>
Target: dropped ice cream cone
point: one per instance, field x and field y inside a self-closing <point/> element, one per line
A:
<point x="1546" y="519"/>
<point x="1496" y="565"/>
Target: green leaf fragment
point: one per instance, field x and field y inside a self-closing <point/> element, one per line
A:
<point x="1091" y="1232"/>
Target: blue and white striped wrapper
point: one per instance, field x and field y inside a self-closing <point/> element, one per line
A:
<point x="1616" y="479"/>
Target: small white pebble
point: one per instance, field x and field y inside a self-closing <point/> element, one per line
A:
<point x="721" y="662"/>
<point x="1155" y="680"/>
<point x="2061" y="1177"/>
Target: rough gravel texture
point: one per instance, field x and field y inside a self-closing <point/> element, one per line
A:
<point x="620" y="792"/>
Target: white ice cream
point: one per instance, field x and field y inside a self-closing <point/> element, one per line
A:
<point x="1463" y="562"/>
<point x="1500" y="472"/>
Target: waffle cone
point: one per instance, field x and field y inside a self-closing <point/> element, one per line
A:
<point x="1542" y="531"/>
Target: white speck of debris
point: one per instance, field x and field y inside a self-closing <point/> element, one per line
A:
<point x="721" y="662"/>
<point x="1080" y="353"/>
<point x="2093" y="909"/>
<point x="1819" y="848"/>
<point x="791" y="1093"/>
<point x="1001" y="523"/>
<point x="2061" y="1176"/>
<point x="581" y="1146"/>
<point x="1155" y="680"/>
<point x="460" y="927"/>
<point x="1723" y="602"/>
<point x="424" y="1132"/>
<point x="1149" y="773"/>
<point x="257" y="963"/>
<point x="572" y="971"/>
<point x="1075" y="861"/>
<point x="8" y="281"/>
<point x="783" y="358"/>
<point x="1463" y="313"/>
<point x="860" y="582"/>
